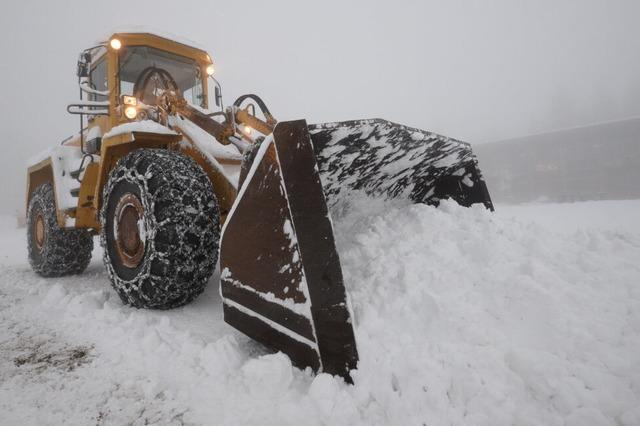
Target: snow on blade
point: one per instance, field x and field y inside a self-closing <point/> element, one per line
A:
<point x="389" y="160"/>
<point x="299" y="308"/>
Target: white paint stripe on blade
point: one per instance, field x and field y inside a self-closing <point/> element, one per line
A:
<point x="279" y="328"/>
<point x="254" y="166"/>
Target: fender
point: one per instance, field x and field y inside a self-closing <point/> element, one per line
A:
<point x="115" y="147"/>
<point x="38" y="174"/>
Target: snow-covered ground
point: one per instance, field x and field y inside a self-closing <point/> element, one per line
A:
<point x="530" y="316"/>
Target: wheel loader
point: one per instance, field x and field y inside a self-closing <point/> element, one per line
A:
<point x="173" y="182"/>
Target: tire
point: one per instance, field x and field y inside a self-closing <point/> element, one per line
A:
<point x="54" y="251"/>
<point x="160" y="229"/>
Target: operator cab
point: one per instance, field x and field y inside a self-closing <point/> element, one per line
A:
<point x="146" y="72"/>
<point x="120" y="78"/>
<point x="135" y="77"/>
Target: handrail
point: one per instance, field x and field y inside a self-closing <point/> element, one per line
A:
<point x="77" y="109"/>
<point x="86" y="108"/>
<point x="87" y="89"/>
<point x="91" y="103"/>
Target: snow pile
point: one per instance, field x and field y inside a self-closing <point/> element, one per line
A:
<point x="464" y="318"/>
<point x="64" y="160"/>
<point x="461" y="317"/>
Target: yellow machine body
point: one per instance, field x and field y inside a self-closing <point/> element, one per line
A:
<point x="113" y="148"/>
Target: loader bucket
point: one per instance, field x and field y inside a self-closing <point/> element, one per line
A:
<point x="281" y="280"/>
<point x="389" y="160"/>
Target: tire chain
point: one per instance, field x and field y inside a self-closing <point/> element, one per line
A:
<point x="65" y="251"/>
<point x="182" y="228"/>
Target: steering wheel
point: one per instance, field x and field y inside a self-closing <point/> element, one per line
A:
<point x="152" y="83"/>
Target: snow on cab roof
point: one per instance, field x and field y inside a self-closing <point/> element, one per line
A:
<point x="143" y="29"/>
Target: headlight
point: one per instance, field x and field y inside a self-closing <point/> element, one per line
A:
<point x="210" y="70"/>
<point x="130" y="112"/>
<point x="115" y="44"/>
<point x="247" y="130"/>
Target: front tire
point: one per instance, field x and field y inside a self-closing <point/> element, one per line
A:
<point x="160" y="229"/>
<point x="54" y="251"/>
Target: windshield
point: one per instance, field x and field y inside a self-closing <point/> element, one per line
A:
<point x="145" y="70"/>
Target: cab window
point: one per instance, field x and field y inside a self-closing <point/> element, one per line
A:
<point x="184" y="73"/>
<point x="98" y="80"/>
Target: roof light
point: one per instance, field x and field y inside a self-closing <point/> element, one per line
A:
<point x="129" y="100"/>
<point x="210" y="70"/>
<point x="115" y="44"/>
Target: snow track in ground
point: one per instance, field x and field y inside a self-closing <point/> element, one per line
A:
<point x="462" y="317"/>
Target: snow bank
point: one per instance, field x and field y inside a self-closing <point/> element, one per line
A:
<point x="461" y="317"/>
<point x="613" y="215"/>
<point x="480" y="320"/>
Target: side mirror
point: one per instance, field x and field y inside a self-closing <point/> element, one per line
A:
<point x="84" y="65"/>
<point x="218" y="96"/>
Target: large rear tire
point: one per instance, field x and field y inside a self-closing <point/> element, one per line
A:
<point x="160" y="229"/>
<point x="54" y="251"/>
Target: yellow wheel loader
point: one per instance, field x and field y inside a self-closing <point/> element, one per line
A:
<point x="169" y="181"/>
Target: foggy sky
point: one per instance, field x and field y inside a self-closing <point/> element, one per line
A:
<point x="475" y="70"/>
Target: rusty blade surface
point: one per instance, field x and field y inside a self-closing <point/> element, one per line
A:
<point x="281" y="277"/>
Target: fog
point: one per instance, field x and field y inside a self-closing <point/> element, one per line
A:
<point x="600" y="162"/>
<point x="475" y="70"/>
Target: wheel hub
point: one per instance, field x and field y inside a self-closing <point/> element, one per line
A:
<point x="127" y="229"/>
<point x="39" y="231"/>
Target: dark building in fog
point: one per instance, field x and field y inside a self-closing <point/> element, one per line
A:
<point x="587" y="163"/>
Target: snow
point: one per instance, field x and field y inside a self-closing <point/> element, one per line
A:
<point x="210" y="148"/>
<point x="92" y="133"/>
<point x="64" y="160"/>
<point x="528" y="316"/>
<point x="146" y="29"/>
<point x="40" y="156"/>
<point x="204" y="141"/>
<point x="147" y="126"/>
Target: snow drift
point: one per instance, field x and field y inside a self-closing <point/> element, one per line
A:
<point x="461" y="317"/>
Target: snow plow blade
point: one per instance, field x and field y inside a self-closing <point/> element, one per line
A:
<point x="281" y="280"/>
<point x="389" y="160"/>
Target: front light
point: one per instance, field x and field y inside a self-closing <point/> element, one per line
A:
<point x="130" y="112"/>
<point x="210" y="70"/>
<point x="247" y="130"/>
<point x="115" y="44"/>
